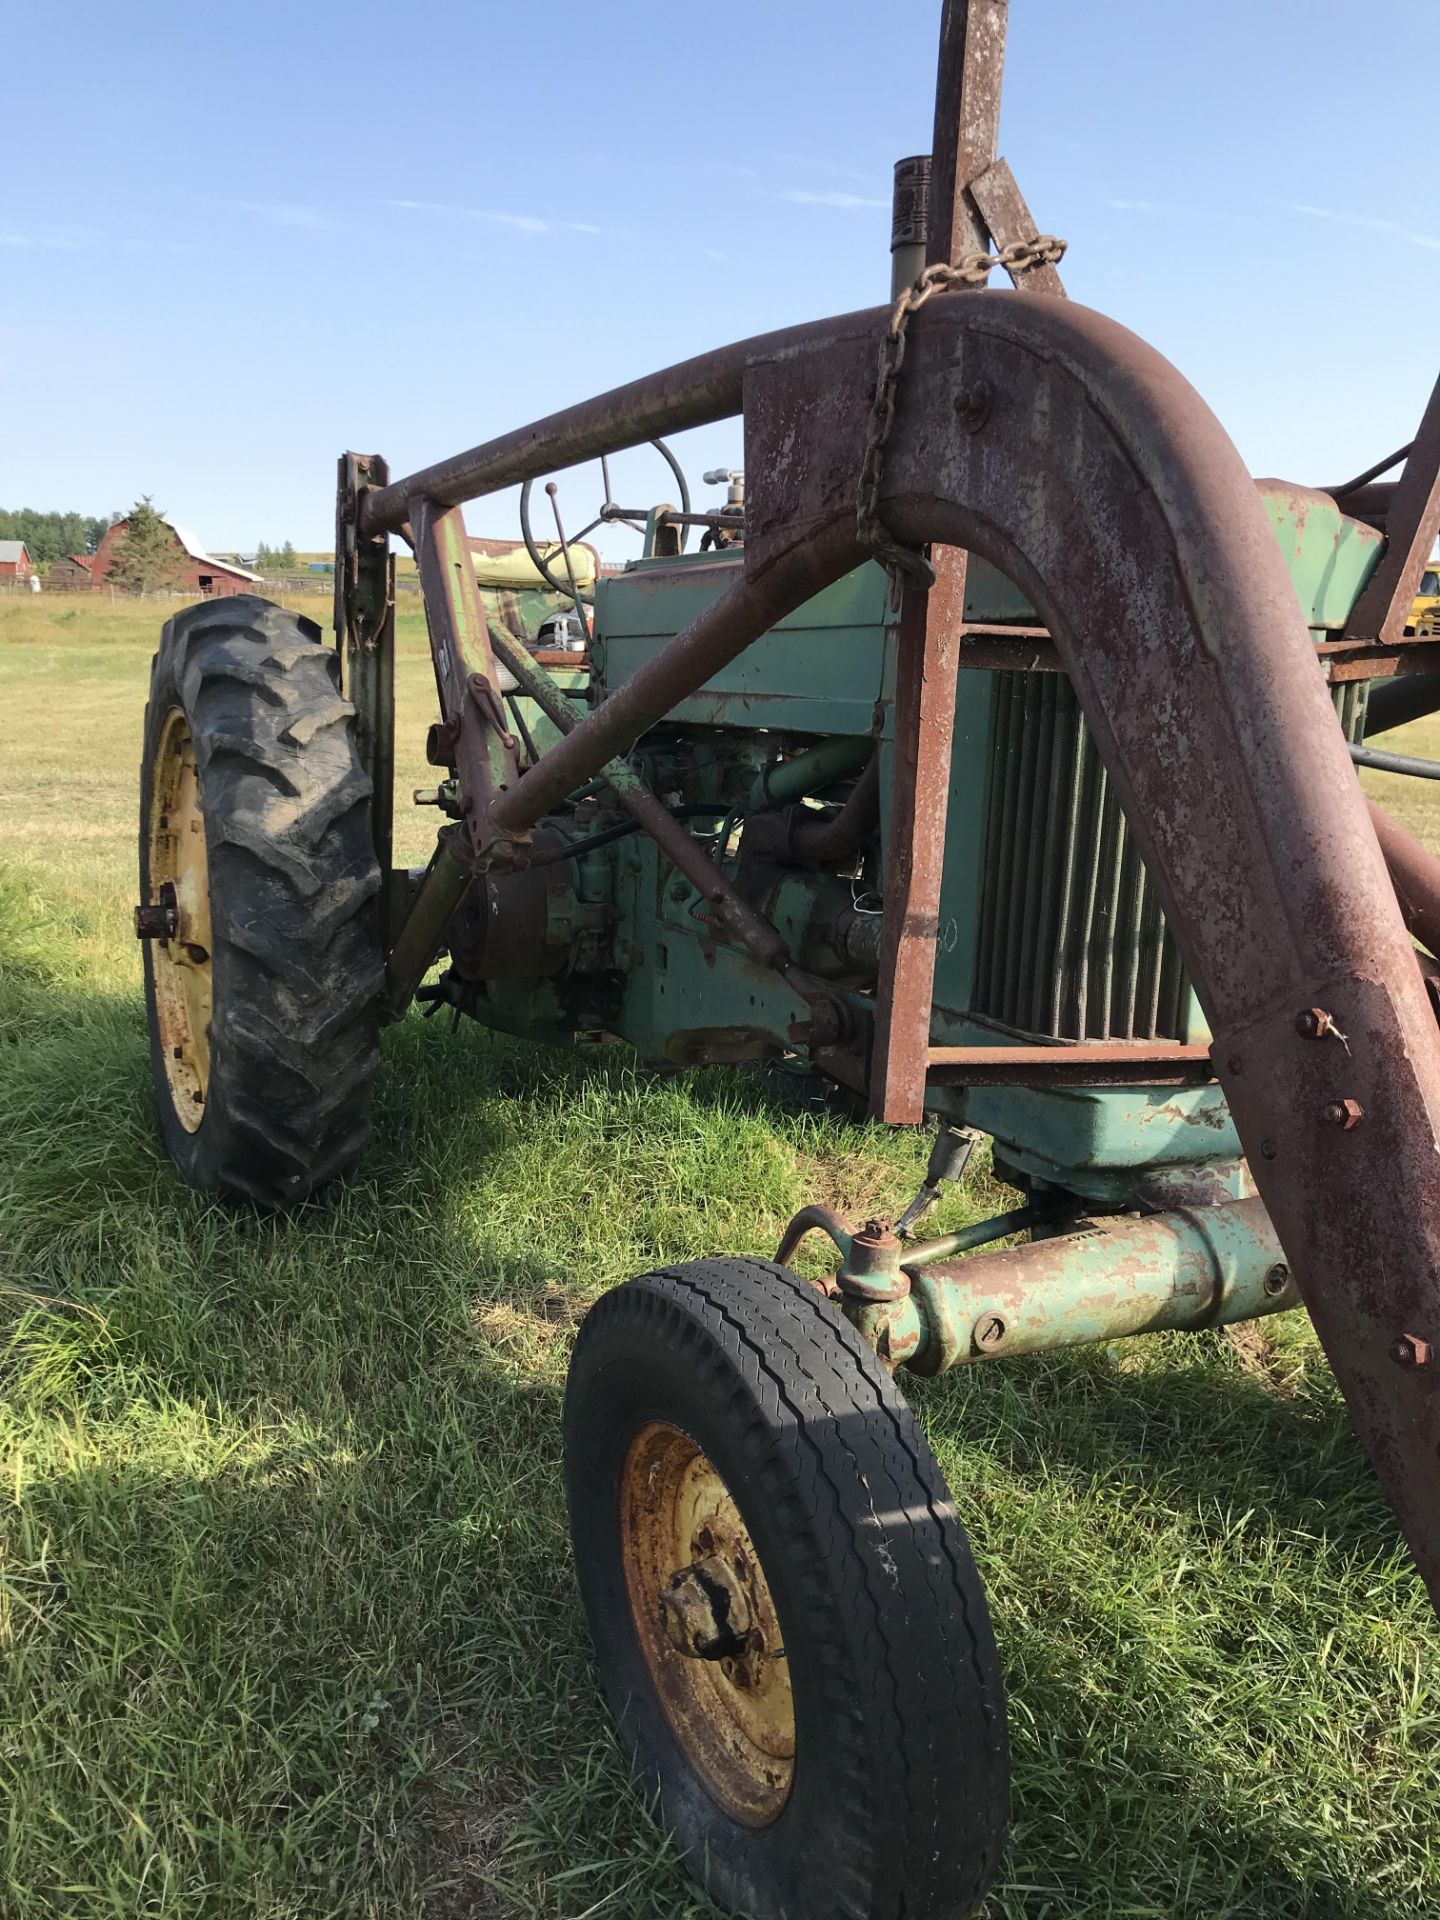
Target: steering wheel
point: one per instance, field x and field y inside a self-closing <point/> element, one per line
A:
<point x="609" y="515"/>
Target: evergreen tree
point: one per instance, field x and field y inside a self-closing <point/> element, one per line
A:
<point x="146" y="555"/>
<point x="287" y="563"/>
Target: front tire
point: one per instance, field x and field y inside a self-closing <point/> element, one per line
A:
<point x="786" y="1616"/>
<point x="262" y="990"/>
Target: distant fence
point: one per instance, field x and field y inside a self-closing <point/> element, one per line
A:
<point x="325" y="583"/>
<point x="271" y="585"/>
<point x="71" y="590"/>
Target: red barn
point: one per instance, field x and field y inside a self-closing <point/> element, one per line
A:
<point x="201" y="572"/>
<point x="14" y="560"/>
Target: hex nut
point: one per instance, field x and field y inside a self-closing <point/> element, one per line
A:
<point x="1409" y="1350"/>
<point x="1313" y="1023"/>
<point x="1343" y="1113"/>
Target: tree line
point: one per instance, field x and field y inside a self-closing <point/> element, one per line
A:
<point x="50" y="536"/>
<point x="146" y="556"/>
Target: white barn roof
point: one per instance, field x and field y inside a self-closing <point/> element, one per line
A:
<point x="196" y="552"/>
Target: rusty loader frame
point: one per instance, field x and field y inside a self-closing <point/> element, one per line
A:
<point x="1058" y="446"/>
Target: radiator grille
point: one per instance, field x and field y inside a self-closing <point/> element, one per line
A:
<point x="1072" y="941"/>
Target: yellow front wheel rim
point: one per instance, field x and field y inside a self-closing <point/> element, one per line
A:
<point x="180" y="879"/>
<point x="695" y="1580"/>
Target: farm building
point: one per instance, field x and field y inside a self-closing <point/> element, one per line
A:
<point x="70" y="574"/>
<point x="14" y="560"/>
<point x="202" y="572"/>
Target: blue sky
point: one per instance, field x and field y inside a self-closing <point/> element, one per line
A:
<point x="225" y="250"/>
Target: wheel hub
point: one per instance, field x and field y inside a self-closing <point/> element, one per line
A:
<point x="706" y="1624"/>
<point x="706" y="1613"/>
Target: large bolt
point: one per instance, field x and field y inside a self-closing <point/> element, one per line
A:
<point x="1410" y="1351"/>
<point x="1277" y="1279"/>
<point x="1343" y="1113"/>
<point x="973" y="406"/>
<point x="1313" y="1023"/>
<point x="160" y="920"/>
<point x="990" y="1331"/>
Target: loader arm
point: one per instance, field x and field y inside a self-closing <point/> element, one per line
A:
<point x="1075" y="458"/>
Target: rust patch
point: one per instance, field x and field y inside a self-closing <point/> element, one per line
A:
<point x="729" y="1706"/>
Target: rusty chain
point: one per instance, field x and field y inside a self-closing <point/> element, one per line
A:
<point x="970" y="270"/>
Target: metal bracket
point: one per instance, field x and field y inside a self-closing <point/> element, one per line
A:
<point x="467" y="682"/>
<point x="365" y="637"/>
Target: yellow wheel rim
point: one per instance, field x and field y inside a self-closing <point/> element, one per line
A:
<point x="180" y="877"/>
<point x="695" y="1582"/>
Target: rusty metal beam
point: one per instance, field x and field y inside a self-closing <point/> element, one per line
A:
<point x="484" y="754"/>
<point x="1101" y="484"/>
<point x="1002" y="206"/>
<point x="1411" y="525"/>
<point x="1357" y="660"/>
<point x="970" y="69"/>
<point x="1031" y="650"/>
<point x="927" y="654"/>
<point x="967" y="120"/>
<point x="760" y="937"/>
<point x="365" y="634"/>
<point x="1416" y="875"/>
<point x="693" y="393"/>
<point x="711" y="641"/>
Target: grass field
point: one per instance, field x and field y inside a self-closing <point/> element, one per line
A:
<point x="287" y="1621"/>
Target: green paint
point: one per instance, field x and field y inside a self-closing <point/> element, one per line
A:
<point x="1205" y="1267"/>
<point x="1095" y="1141"/>
<point x="1330" y="556"/>
<point x="818" y="672"/>
<point x="827" y="674"/>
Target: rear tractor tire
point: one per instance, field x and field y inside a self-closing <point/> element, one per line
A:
<point x="785" y="1613"/>
<point x="258" y="884"/>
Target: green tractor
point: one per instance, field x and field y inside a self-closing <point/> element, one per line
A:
<point x="988" y="755"/>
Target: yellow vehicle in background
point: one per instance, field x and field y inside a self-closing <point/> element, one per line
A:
<point x="1425" y="608"/>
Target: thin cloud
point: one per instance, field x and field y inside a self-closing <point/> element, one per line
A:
<point x="1143" y="206"/>
<point x="517" y="222"/>
<point x="63" y="238"/>
<point x="804" y="197"/>
<point x="1369" y="223"/>
<point x="283" y="213"/>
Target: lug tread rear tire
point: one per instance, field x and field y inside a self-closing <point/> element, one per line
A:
<point x="296" y="962"/>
